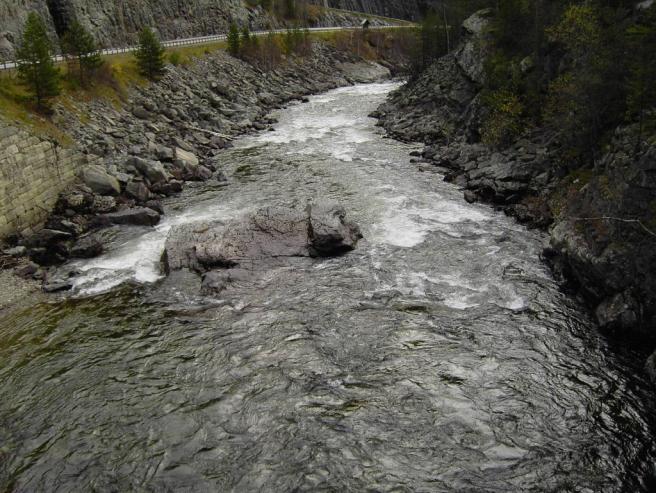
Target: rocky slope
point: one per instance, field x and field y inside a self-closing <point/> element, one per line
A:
<point x="601" y="220"/>
<point x="166" y="134"/>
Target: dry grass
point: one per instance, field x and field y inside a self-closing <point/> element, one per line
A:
<point x="111" y="83"/>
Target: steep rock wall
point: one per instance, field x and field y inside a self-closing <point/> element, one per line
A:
<point x="117" y="22"/>
<point x="400" y="9"/>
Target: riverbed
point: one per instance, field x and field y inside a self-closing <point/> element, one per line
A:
<point x="440" y="355"/>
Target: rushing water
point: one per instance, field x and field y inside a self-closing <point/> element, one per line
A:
<point x="439" y="356"/>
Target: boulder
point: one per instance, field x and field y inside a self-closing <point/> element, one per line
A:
<point x="138" y="216"/>
<point x="102" y="205"/>
<point x="101" y="182"/>
<point x="88" y="247"/>
<point x="203" y="173"/>
<point x="153" y="170"/>
<point x="620" y="312"/>
<point x="141" y="113"/>
<point x="330" y="233"/>
<point x="47" y="237"/>
<point x="186" y="157"/>
<point x="268" y="236"/>
<point x="470" y="196"/>
<point x="19" y="251"/>
<point x="138" y="191"/>
<point x="164" y="153"/>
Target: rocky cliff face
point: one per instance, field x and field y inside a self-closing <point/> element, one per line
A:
<point x="117" y="22"/>
<point x="399" y="9"/>
<point x="601" y="220"/>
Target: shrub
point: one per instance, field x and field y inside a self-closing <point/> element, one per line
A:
<point x="175" y="58"/>
<point x="504" y="122"/>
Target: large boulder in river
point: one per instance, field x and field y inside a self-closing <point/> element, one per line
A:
<point x="267" y="235"/>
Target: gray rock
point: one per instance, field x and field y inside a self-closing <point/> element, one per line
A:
<point x="57" y="286"/>
<point x="27" y="271"/>
<point x="330" y="233"/>
<point x="138" y="191"/>
<point x="183" y="144"/>
<point x="620" y="312"/>
<point x="470" y="196"/>
<point x="650" y="367"/>
<point x="141" y="112"/>
<point x="102" y="205"/>
<point x="265" y="236"/>
<point x="165" y="153"/>
<point x="203" y="173"/>
<point x="47" y="237"/>
<point x="138" y="216"/>
<point x="88" y="247"/>
<point x="153" y="170"/>
<point x="101" y="182"/>
<point x="19" y="251"/>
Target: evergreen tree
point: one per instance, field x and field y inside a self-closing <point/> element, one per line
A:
<point x="290" y="9"/>
<point x="150" y="55"/>
<point x="35" y="66"/>
<point x="80" y="45"/>
<point x="245" y="37"/>
<point x="234" y="40"/>
<point x="641" y="84"/>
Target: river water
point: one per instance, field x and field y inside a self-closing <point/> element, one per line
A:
<point x="438" y="356"/>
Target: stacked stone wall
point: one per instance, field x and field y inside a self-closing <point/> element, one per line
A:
<point x="33" y="172"/>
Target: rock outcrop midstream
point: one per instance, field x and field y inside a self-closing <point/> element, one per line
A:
<point x="601" y="220"/>
<point x="267" y="238"/>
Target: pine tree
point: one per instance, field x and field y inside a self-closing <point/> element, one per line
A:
<point x="233" y="40"/>
<point x="35" y="66"/>
<point x="641" y="83"/>
<point x="150" y="55"/>
<point x="245" y="37"/>
<point x="78" y="44"/>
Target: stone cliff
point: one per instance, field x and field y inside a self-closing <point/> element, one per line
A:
<point x="399" y="9"/>
<point x="117" y="22"/>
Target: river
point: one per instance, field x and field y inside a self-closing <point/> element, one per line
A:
<point x="440" y="355"/>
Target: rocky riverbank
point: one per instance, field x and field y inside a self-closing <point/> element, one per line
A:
<point x="167" y="134"/>
<point x="601" y="219"/>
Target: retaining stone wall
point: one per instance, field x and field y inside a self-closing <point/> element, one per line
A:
<point x="32" y="174"/>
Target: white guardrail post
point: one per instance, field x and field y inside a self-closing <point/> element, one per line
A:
<point x="12" y="64"/>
